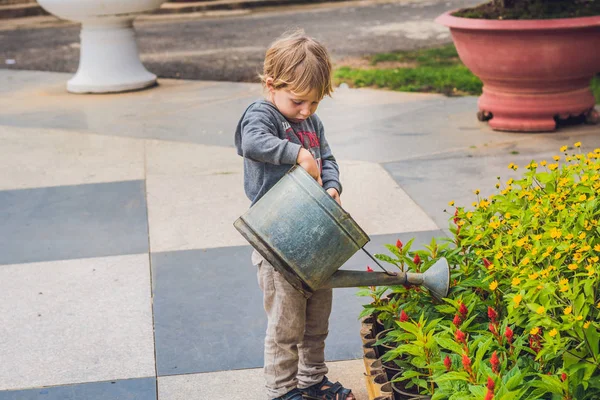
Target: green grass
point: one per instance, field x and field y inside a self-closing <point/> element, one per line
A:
<point x="596" y="88"/>
<point x="433" y="70"/>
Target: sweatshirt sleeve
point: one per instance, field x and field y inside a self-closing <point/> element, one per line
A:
<point x="260" y="141"/>
<point x="331" y="171"/>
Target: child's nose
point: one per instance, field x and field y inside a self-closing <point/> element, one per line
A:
<point x="305" y="111"/>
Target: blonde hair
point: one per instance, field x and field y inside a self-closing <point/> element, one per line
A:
<point x="299" y="63"/>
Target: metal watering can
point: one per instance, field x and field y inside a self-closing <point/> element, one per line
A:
<point x="302" y="231"/>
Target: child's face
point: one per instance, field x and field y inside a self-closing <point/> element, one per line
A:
<point x="293" y="106"/>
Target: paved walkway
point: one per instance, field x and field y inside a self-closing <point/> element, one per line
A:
<point x="121" y="275"/>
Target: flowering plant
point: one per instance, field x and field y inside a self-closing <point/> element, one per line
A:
<point x="522" y="318"/>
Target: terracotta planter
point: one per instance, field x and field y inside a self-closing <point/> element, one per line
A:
<point x="532" y="70"/>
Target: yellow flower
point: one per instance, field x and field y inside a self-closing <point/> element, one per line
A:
<point x="597" y="247"/>
<point x="498" y="255"/>
<point x="541" y="310"/>
<point x="577" y="144"/>
<point x="474" y="204"/>
<point x="572" y="267"/>
<point x="476" y="191"/>
<point x="451" y="203"/>
<point x="533" y="276"/>
<point x="517" y="299"/>
<point x="543" y="163"/>
<point x="478" y="237"/>
<point x="534" y="331"/>
<point x="557" y="256"/>
<point x="553" y="332"/>
<point x="493" y="285"/>
<point x="511" y="165"/>
<point x="568" y="310"/>
<point x="564" y="281"/>
<point x="579" y="318"/>
<point x="507" y="216"/>
<point x="495" y="224"/>
<point x="564" y="289"/>
<point x="598" y="305"/>
<point x="582" y="197"/>
<point x="556" y="158"/>
<point x="555" y="233"/>
<point x="586" y="325"/>
<point x="563" y="148"/>
<point x="582" y="235"/>
<point x="552" y="167"/>
<point x="525" y="261"/>
<point x="510" y="181"/>
<point x="516" y="281"/>
<point x="469" y="215"/>
<point x="591" y="272"/>
<point x="569" y="236"/>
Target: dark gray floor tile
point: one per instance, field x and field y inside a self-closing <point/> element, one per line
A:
<point x="69" y="222"/>
<point x="208" y="310"/>
<point x="128" y="389"/>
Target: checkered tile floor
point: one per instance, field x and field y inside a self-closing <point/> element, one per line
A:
<point x="122" y="277"/>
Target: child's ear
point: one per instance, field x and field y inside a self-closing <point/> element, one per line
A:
<point x="269" y="84"/>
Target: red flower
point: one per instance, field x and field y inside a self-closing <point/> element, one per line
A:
<point x="403" y="316"/>
<point x="466" y="362"/>
<point x="456" y="219"/>
<point x="495" y="362"/>
<point x="492" y="328"/>
<point x="563" y="377"/>
<point x="399" y="244"/>
<point x="509" y="334"/>
<point x="490" y="384"/>
<point x="417" y="259"/>
<point x="492" y="314"/>
<point x="460" y="336"/>
<point x="369" y="269"/>
<point x="489" y="395"/>
<point x="487" y="263"/>
<point x="457" y="321"/>
<point x="447" y="363"/>
<point x="463" y="310"/>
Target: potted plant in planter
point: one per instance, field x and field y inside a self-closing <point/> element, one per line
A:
<point x="521" y="320"/>
<point x="535" y="57"/>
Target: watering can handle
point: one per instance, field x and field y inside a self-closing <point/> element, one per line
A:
<point x="379" y="265"/>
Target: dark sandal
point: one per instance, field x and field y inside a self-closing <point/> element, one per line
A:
<point x="293" y="394"/>
<point x="332" y="391"/>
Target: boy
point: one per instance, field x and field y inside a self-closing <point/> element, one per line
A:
<point x="272" y="135"/>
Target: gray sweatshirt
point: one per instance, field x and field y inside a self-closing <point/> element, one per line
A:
<point x="270" y="145"/>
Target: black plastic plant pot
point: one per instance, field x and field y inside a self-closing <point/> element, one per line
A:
<point x="401" y="393"/>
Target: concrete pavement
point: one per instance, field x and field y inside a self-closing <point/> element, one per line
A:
<point x="121" y="275"/>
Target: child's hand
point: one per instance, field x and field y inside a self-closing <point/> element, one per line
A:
<point x="336" y="196"/>
<point x="307" y="161"/>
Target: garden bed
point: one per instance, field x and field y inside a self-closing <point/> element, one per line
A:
<point x="521" y="320"/>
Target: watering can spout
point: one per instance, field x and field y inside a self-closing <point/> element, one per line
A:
<point x="436" y="279"/>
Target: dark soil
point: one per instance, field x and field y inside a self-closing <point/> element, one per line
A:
<point x="532" y="9"/>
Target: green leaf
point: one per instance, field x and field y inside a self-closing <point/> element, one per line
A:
<point x="478" y="391"/>
<point x="449" y="344"/>
<point x="549" y="383"/>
